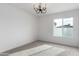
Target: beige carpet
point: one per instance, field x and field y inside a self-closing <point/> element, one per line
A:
<point x="42" y="50"/>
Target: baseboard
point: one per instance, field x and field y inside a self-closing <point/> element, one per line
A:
<point x="17" y="47"/>
<point x="60" y="44"/>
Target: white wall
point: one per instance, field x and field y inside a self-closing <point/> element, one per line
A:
<point x="46" y="28"/>
<point x="17" y="27"/>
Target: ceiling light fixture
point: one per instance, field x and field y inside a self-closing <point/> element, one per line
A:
<point x="40" y="8"/>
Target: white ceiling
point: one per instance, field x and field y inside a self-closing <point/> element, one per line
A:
<point x="51" y="7"/>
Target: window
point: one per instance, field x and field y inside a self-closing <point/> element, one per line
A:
<point x="63" y="27"/>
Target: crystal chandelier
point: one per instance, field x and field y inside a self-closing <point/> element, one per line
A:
<point x="40" y="8"/>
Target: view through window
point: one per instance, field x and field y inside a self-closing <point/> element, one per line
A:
<point x="63" y="27"/>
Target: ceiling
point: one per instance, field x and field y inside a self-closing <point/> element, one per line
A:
<point x="51" y="7"/>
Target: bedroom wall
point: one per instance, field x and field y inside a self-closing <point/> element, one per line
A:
<point x="17" y="27"/>
<point x="46" y="28"/>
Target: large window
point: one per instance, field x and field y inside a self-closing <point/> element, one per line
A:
<point x="63" y="27"/>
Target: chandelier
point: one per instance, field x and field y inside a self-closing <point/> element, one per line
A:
<point x="40" y="8"/>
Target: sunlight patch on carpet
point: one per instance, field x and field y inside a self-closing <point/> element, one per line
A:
<point x="42" y="50"/>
